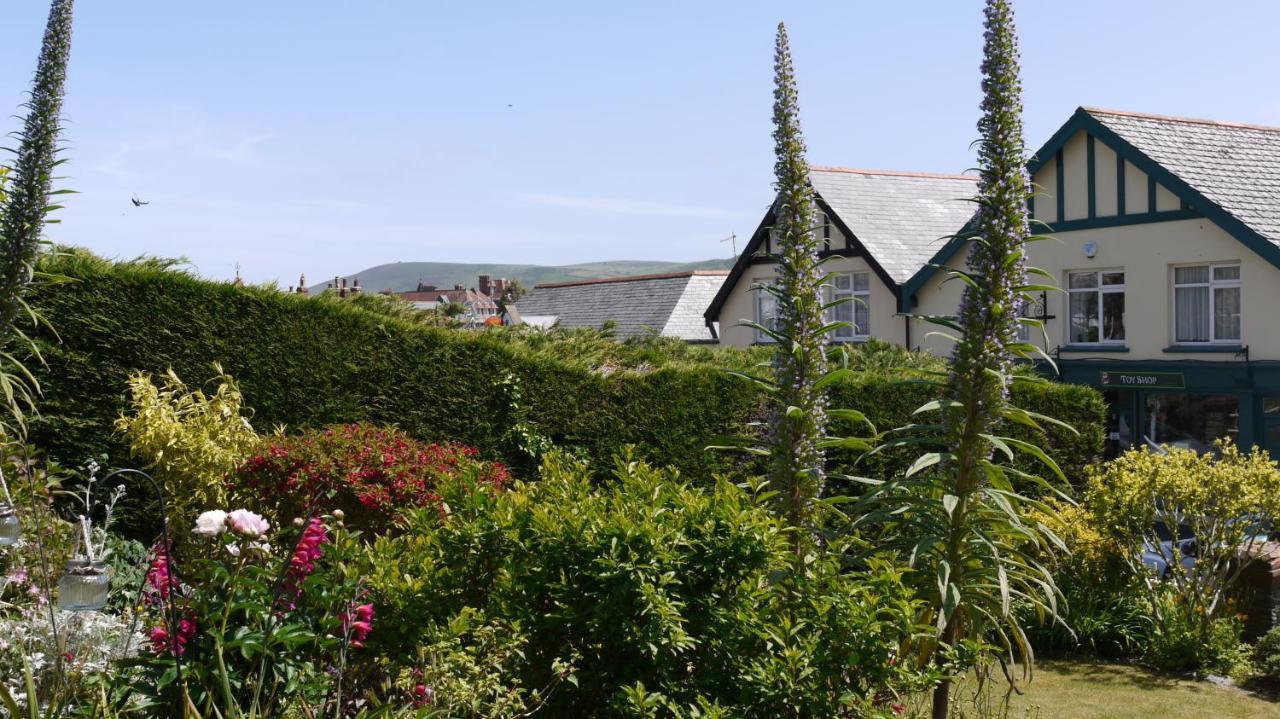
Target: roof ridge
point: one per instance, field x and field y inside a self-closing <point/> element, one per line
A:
<point x="631" y="278"/>
<point x="1179" y="118"/>
<point x="893" y="173"/>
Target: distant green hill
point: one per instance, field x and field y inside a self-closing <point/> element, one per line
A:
<point x="405" y="276"/>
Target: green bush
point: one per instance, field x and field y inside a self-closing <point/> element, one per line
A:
<point x="648" y="592"/>
<point x="1266" y="656"/>
<point x="308" y="363"/>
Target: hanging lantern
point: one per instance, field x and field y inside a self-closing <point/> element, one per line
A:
<point x="10" y="528"/>
<point x="83" y="588"/>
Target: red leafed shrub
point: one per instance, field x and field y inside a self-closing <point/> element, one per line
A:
<point x="371" y="472"/>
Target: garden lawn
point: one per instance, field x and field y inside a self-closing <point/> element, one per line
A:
<point x="1083" y="690"/>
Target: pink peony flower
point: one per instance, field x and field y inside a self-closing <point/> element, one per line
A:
<point x="242" y="521"/>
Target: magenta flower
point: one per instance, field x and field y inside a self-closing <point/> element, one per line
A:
<point x="158" y="577"/>
<point x="359" y="622"/>
<point x="303" y="561"/>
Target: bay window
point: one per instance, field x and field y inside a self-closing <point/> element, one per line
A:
<point x="1095" y="307"/>
<point x="1206" y="304"/>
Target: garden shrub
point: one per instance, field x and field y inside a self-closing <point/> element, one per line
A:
<point x="189" y="439"/>
<point x="1266" y="656"/>
<point x="645" y="588"/>
<point x="307" y="363"/>
<point x="372" y="473"/>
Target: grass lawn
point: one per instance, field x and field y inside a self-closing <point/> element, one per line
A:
<point x="1083" y="690"/>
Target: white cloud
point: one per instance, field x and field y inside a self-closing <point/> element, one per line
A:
<point x="620" y="206"/>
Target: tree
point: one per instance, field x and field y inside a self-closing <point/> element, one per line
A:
<point x="27" y="205"/>
<point x="511" y="293"/>
<point x="955" y="513"/>
<point x="797" y="419"/>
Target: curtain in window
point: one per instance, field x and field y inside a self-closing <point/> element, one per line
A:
<point x="1226" y="313"/>
<point x="1191" y="314"/>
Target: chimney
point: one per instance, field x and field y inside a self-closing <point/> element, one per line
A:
<point x="355" y="287"/>
<point x="459" y="287"/>
<point x="499" y="286"/>
<point x="302" y="284"/>
<point x="485" y="285"/>
<point x="343" y="292"/>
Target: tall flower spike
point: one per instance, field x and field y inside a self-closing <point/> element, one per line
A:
<point x="798" y="416"/>
<point x="32" y="178"/>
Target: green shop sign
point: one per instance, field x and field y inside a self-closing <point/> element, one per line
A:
<point x="1143" y="380"/>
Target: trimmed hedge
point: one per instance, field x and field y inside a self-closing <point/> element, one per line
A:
<point x="308" y="363"/>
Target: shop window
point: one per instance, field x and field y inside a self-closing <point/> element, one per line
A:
<point x="1095" y="306"/>
<point x="1206" y="303"/>
<point x="1191" y="421"/>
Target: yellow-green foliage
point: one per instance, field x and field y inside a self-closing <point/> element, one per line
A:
<point x="190" y="439"/>
<point x="1125" y="494"/>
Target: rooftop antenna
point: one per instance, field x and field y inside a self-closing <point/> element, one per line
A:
<point x="733" y="237"/>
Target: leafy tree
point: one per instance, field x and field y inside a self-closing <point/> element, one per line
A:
<point x="25" y="201"/>
<point x="955" y="513"/>
<point x="511" y="293"/>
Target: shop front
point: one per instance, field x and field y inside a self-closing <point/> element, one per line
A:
<point x="1188" y="404"/>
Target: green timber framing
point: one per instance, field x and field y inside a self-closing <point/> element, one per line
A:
<point x="1254" y="383"/>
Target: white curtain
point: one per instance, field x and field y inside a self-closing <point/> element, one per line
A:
<point x="1191" y="312"/>
<point x="1226" y="313"/>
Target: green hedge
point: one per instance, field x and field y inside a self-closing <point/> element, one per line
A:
<point x="308" y="363"/>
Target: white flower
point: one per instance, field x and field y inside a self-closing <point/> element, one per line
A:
<point x="211" y="522"/>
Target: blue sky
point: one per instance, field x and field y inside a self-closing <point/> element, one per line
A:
<point x="325" y="136"/>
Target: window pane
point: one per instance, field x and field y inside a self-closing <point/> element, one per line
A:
<point x="1192" y="421"/>
<point x="1077" y="280"/>
<point x="1226" y="313"/>
<point x="1113" y="315"/>
<point x="1226" y="273"/>
<point x="861" y="281"/>
<point x="1190" y="275"/>
<point x="1112" y="278"/>
<point x="1084" y="316"/>
<point x="841" y="282"/>
<point x="1191" y="314"/>
<point x="862" y="317"/>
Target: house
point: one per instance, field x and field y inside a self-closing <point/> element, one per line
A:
<point x="878" y="227"/>
<point x="670" y="305"/>
<point x="1167" y="248"/>
<point x="479" y="304"/>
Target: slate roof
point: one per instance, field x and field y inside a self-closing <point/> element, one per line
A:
<point x="902" y="218"/>
<point x="671" y="304"/>
<point x="1235" y="166"/>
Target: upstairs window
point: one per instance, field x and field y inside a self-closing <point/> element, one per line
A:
<point x="1095" y="307"/>
<point x="1206" y="304"/>
<point x="856" y="288"/>
<point x="766" y="309"/>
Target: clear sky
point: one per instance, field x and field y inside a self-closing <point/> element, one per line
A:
<point x="325" y="136"/>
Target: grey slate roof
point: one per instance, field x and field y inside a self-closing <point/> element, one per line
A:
<point x="670" y="304"/>
<point x="1233" y="165"/>
<point x="902" y="218"/>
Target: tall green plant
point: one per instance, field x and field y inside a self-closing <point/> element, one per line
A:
<point x="797" y="419"/>
<point x="27" y="204"/>
<point x="955" y="513"/>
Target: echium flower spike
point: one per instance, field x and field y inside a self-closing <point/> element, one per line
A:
<point x="798" y="416"/>
<point x="32" y="176"/>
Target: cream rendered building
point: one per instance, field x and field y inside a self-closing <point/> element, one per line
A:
<point x="1166" y="244"/>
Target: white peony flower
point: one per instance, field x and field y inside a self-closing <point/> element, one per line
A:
<point x="211" y="522"/>
<point x="242" y="521"/>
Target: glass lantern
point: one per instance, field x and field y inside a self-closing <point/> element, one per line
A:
<point x="10" y="529"/>
<point x="83" y="588"/>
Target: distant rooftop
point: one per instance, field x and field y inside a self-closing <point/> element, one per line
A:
<point x="669" y="304"/>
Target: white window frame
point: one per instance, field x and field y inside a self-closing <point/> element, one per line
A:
<point x="1100" y="290"/>
<point x="758" y="302"/>
<point x="1212" y="284"/>
<point x="833" y="293"/>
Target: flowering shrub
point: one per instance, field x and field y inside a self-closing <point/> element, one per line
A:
<point x="372" y="472"/>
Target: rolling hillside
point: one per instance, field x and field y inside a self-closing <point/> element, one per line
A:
<point x="403" y="276"/>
